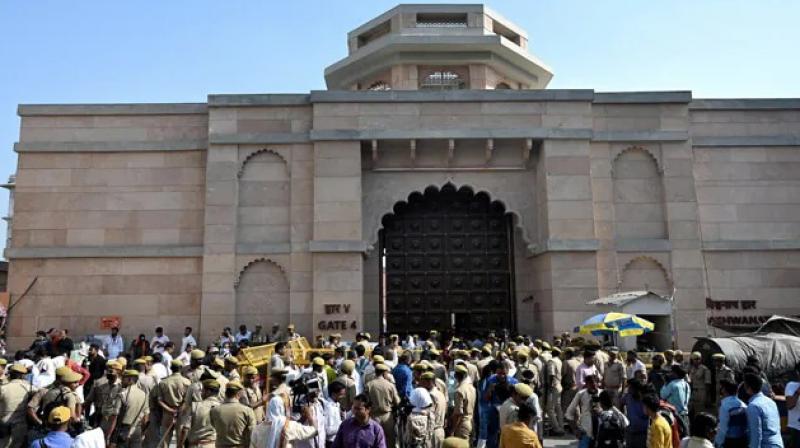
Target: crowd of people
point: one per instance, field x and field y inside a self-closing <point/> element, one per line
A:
<point x="417" y="392"/>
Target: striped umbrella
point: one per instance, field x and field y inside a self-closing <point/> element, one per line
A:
<point x="620" y="323"/>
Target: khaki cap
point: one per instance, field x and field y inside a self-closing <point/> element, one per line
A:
<point x="523" y="390"/>
<point x="290" y="326"/>
<point x="718" y="357"/>
<point x="123" y="361"/>
<point x="197" y="354"/>
<point x="139" y="361"/>
<point x="348" y="366"/>
<point x="218" y="362"/>
<point x="317" y="361"/>
<point x="3" y="361"/>
<point x="378" y="359"/>
<point x="176" y="363"/>
<point x="428" y="376"/>
<point x="72" y="377"/>
<point x="381" y="367"/>
<point x="114" y="365"/>
<point x="61" y="371"/>
<point x="696" y="355"/>
<point x="234" y="385"/>
<point x="18" y="368"/>
<point x="461" y="368"/>
<point x="131" y="373"/>
<point x="210" y="384"/>
<point x="59" y="415"/>
<point x="249" y="370"/>
<point x="455" y="442"/>
<point x="148" y="358"/>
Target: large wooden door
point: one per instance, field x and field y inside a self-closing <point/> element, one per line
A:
<point x="448" y="263"/>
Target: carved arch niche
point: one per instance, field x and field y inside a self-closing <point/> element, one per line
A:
<point x="638" y="195"/>
<point x="645" y="273"/>
<point x="264" y="199"/>
<point x="262" y="294"/>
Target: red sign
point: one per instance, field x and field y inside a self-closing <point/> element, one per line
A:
<point x="109" y="322"/>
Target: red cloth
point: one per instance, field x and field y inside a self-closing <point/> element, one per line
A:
<point x="78" y="369"/>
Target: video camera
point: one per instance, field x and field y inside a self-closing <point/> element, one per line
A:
<point x="305" y="390"/>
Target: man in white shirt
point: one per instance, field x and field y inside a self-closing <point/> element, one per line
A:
<point x="185" y="355"/>
<point x="633" y="365"/>
<point x="242" y="335"/>
<point x="166" y="355"/>
<point x="159" y="371"/>
<point x="332" y="410"/>
<point x="159" y="341"/>
<point x="188" y="339"/>
<point x="115" y="346"/>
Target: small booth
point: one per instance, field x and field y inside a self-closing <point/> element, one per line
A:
<point x="647" y="305"/>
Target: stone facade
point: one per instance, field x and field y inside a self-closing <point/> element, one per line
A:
<point x="266" y="208"/>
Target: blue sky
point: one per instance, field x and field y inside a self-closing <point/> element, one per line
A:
<point x="182" y="50"/>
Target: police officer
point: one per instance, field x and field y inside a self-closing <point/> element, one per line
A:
<point x="101" y="393"/>
<point x="721" y="373"/>
<point x="614" y="379"/>
<point x="700" y="377"/>
<point x="348" y="366"/>
<point x="464" y="408"/>
<point x="251" y="395"/>
<point x="196" y="367"/>
<point x="145" y="382"/>
<point x="13" y="401"/>
<point x="233" y="421"/>
<point x="383" y="395"/>
<point x="170" y="393"/>
<point x="64" y="391"/>
<point x="129" y="413"/>
<point x="555" y="412"/>
<point x="195" y="428"/>
<point x="231" y="366"/>
<point x="428" y="381"/>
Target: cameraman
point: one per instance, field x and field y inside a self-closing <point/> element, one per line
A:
<point x="308" y="410"/>
<point x="584" y="407"/>
<point x="332" y="411"/>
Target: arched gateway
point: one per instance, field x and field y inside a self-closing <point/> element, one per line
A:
<point x="448" y="263"/>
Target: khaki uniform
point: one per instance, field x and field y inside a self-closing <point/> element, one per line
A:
<point x="102" y="396"/>
<point x="130" y="406"/>
<point x="69" y="397"/>
<point x="439" y="416"/>
<point x="568" y="367"/>
<point x="554" y="411"/>
<point x="172" y="390"/>
<point x="472" y="371"/>
<point x="614" y="379"/>
<point x="350" y="392"/>
<point x="233" y="422"/>
<point x="383" y="396"/>
<point x="197" y="422"/>
<point x="439" y="370"/>
<point x="250" y="397"/>
<point x="465" y="399"/>
<point x="13" y="406"/>
<point x="146" y="383"/>
<point x="441" y="386"/>
<point x="508" y="412"/>
<point x="700" y="378"/>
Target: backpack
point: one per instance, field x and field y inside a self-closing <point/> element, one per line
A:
<point x="44" y="410"/>
<point x="419" y="429"/>
<point x="610" y="430"/>
<point x="679" y="429"/>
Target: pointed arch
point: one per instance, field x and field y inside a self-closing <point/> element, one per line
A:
<point x="258" y="152"/>
<point x="639" y="211"/>
<point x="401" y="197"/>
<point x="259" y="260"/>
<point x="643" y="149"/>
<point x="645" y="272"/>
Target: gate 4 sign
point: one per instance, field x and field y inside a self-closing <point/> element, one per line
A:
<point x="332" y="309"/>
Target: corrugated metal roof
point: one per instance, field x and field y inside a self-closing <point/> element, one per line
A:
<point x="623" y="298"/>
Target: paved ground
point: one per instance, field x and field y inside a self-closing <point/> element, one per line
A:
<point x="561" y="442"/>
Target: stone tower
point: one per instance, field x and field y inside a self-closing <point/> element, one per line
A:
<point x="438" y="47"/>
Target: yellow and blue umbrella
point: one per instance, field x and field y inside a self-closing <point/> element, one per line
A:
<point x="620" y="323"/>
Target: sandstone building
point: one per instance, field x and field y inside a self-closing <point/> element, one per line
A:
<point x="437" y="183"/>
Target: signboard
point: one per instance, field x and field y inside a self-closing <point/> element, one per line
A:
<point x="109" y="322"/>
<point x="735" y="316"/>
